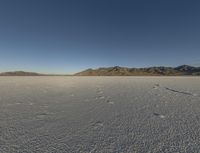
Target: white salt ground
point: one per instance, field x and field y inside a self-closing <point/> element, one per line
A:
<point x="99" y="114"/>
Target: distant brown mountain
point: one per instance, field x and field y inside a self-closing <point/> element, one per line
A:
<point x="20" y="73"/>
<point x="123" y="71"/>
<point x="24" y="73"/>
<point x="150" y="71"/>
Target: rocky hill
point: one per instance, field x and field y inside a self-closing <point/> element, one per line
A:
<point x="150" y="71"/>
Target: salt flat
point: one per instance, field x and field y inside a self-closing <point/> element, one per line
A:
<point x="99" y="114"/>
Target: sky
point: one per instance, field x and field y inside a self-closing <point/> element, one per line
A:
<point x="67" y="36"/>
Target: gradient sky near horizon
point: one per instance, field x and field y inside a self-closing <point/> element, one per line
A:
<point x="66" y="36"/>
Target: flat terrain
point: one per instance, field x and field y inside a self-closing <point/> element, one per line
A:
<point x="99" y="114"/>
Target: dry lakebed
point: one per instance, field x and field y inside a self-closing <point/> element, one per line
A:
<point x="49" y="114"/>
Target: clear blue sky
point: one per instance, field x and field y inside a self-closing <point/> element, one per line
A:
<point x="66" y="36"/>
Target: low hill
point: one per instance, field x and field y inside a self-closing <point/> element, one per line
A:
<point x="150" y="71"/>
<point x="20" y="73"/>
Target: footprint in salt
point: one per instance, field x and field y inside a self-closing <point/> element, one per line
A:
<point x="42" y="115"/>
<point x="98" y="124"/>
<point x="110" y="102"/>
<point x="156" y="86"/>
<point x="101" y="97"/>
<point x="159" y="115"/>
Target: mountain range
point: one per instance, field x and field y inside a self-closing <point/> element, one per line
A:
<point x="20" y="73"/>
<point x="124" y="71"/>
<point x="150" y="71"/>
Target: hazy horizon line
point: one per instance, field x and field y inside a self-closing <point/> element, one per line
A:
<point x="74" y="72"/>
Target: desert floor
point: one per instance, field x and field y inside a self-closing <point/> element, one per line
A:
<point x="99" y="114"/>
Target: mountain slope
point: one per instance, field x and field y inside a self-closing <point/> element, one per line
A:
<point x="20" y="73"/>
<point x="151" y="71"/>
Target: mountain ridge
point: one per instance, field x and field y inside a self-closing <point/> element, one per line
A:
<point x="148" y="71"/>
<point x="122" y="71"/>
<point x="20" y="73"/>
